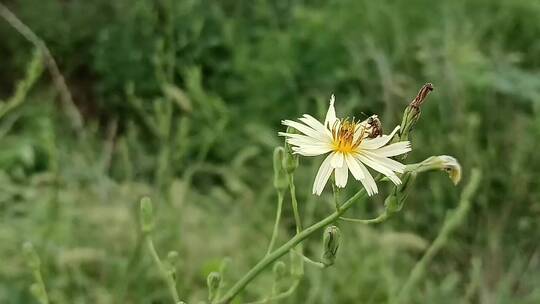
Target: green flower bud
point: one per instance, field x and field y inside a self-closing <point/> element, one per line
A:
<point x="290" y="160"/>
<point x="172" y="258"/>
<point x="279" y="270"/>
<point x="331" y="242"/>
<point x="213" y="281"/>
<point x="442" y="162"/>
<point x="297" y="262"/>
<point x="280" y="176"/>
<point x="147" y="215"/>
<point x="412" y="112"/>
<point x="394" y="202"/>
<point x="37" y="292"/>
<point x="31" y="256"/>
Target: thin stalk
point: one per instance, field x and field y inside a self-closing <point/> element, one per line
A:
<point x="44" y="297"/>
<point x="276" y="224"/>
<point x="335" y="189"/>
<point x="381" y="218"/>
<point x="163" y="271"/>
<point x="280" y="296"/>
<point x="294" y="204"/>
<point x="313" y="263"/>
<point x="284" y="249"/>
<point x="453" y="221"/>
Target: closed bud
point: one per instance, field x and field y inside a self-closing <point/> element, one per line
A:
<point x="279" y="270"/>
<point x="331" y="242"/>
<point x="172" y="258"/>
<point x="146" y="215"/>
<point x="412" y="111"/>
<point x="213" y="281"/>
<point x="280" y="176"/>
<point x="31" y="256"/>
<point x="394" y="202"/>
<point x="297" y="262"/>
<point x="442" y="162"/>
<point x="290" y="160"/>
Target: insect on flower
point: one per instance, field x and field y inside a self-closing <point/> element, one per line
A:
<point x="351" y="146"/>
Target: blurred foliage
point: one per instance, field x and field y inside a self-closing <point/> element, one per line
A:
<point x="183" y="100"/>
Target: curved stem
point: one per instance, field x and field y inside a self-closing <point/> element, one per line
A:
<point x="313" y="263"/>
<point x="276" y="224"/>
<point x="281" y="251"/>
<point x="294" y="204"/>
<point x="164" y="273"/>
<point x="335" y="189"/>
<point x="280" y="296"/>
<point x="381" y="218"/>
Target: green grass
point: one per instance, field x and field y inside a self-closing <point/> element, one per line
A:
<point x="183" y="102"/>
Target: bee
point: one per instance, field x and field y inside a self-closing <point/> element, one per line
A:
<point x="372" y="126"/>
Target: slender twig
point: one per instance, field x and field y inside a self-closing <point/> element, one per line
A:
<point x="163" y="271"/>
<point x="58" y="78"/>
<point x="276" y="224"/>
<point x="294" y="203"/>
<point x="280" y="296"/>
<point x="381" y="218"/>
<point x="311" y="262"/>
<point x="454" y="220"/>
<point x="335" y="190"/>
<point x="281" y="251"/>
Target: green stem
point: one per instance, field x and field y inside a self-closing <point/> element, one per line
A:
<point x="294" y="204"/>
<point x="381" y="218"/>
<point x="313" y="263"/>
<point x="276" y="224"/>
<point x="163" y="271"/>
<point x="335" y="189"/>
<point x="452" y="222"/>
<point x="44" y="298"/>
<point x="281" y="251"/>
<point x="280" y="296"/>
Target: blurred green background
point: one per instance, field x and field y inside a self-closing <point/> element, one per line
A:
<point x="182" y="101"/>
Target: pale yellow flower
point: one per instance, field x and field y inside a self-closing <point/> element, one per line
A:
<point x="349" y="146"/>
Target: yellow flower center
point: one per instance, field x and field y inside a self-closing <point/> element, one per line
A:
<point x="343" y="136"/>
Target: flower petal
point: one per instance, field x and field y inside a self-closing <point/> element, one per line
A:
<point x="331" y="118"/>
<point x="368" y="182"/>
<point x="378" y="142"/>
<point x="385" y="161"/>
<point x="394" y="149"/>
<point x="311" y="150"/>
<point x="307" y="130"/>
<point x="337" y="160"/>
<point x="325" y="170"/>
<point x="353" y="165"/>
<point x="379" y="168"/>
<point x="341" y="174"/>
<point x="315" y="124"/>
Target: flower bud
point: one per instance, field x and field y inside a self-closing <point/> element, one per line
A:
<point x="31" y="256"/>
<point x="146" y="215"/>
<point x="172" y="258"/>
<point x="297" y="262"/>
<point x="213" y="281"/>
<point x="441" y="162"/>
<point x="412" y="112"/>
<point x="290" y="160"/>
<point x="280" y="176"/>
<point x="394" y="202"/>
<point x="279" y="270"/>
<point x="331" y="242"/>
<point x="452" y="167"/>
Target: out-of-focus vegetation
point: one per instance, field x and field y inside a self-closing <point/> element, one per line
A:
<point x="182" y="101"/>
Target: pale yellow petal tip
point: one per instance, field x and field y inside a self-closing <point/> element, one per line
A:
<point x="452" y="167"/>
<point x="332" y="99"/>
